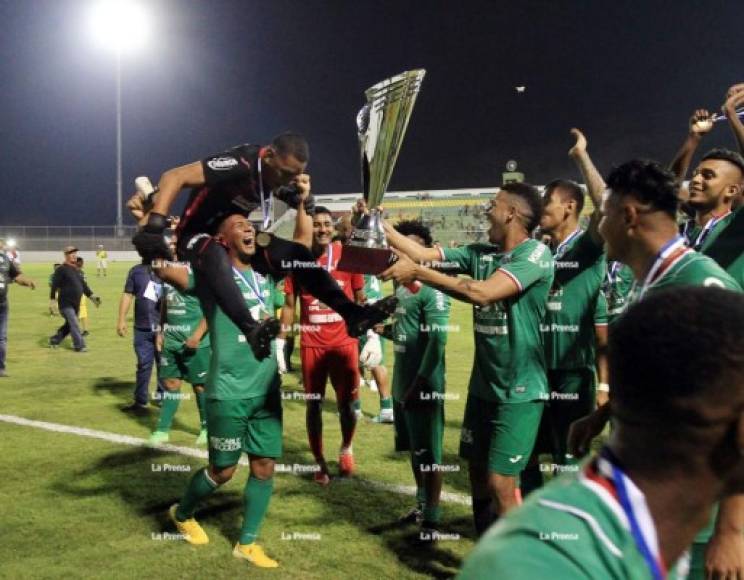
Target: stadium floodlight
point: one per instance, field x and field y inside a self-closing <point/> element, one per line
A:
<point x="121" y="26"/>
<point x="11" y="243"/>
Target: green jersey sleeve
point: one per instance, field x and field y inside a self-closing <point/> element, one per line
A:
<point x="463" y="258"/>
<point x="526" y="269"/>
<point x="600" y="310"/>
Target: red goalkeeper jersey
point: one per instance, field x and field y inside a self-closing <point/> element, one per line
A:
<point x="320" y="326"/>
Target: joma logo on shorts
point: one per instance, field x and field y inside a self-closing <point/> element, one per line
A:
<point x="225" y="443"/>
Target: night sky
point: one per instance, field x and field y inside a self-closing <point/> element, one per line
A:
<point x="222" y="72"/>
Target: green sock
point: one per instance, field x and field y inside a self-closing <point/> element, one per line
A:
<point x="200" y="486"/>
<point x="357" y="405"/>
<point x="386" y="403"/>
<point x="432" y="514"/>
<point x="201" y="403"/>
<point x="420" y="497"/>
<point x="171" y="400"/>
<point x="256" y="496"/>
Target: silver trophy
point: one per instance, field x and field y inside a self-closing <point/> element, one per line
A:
<point x="381" y="125"/>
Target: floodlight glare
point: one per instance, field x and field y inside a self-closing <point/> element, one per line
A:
<point x="11" y="243"/>
<point x="120" y="25"/>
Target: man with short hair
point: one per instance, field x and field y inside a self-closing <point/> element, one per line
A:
<point x="326" y="349"/>
<point x="69" y="286"/>
<point x="571" y="329"/>
<point x="9" y="273"/>
<point x="510" y="280"/>
<point x="640" y="229"/>
<point x="676" y="450"/>
<point x="144" y="288"/>
<point x="241" y="180"/>
<point x="244" y="404"/>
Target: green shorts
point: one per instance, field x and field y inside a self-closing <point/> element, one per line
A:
<point x="253" y="426"/>
<point x="500" y="435"/>
<point x="420" y="431"/>
<point x="572" y="396"/>
<point x="178" y="362"/>
<point x="363" y="341"/>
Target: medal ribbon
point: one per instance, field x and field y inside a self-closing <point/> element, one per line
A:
<point x="561" y="249"/>
<point x="253" y="285"/>
<point x="712" y="222"/>
<point x="671" y="250"/>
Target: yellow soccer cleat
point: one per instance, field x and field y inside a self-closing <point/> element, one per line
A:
<point x="255" y="555"/>
<point x="192" y="532"/>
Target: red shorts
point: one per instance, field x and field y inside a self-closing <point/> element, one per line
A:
<point x="340" y="363"/>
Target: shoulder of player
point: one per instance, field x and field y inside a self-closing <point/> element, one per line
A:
<point x="699" y="268"/>
<point x="533" y="251"/>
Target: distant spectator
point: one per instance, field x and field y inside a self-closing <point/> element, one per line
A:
<point x="101" y="261"/>
<point x="145" y="288"/>
<point x="69" y="286"/>
<point x="9" y="273"/>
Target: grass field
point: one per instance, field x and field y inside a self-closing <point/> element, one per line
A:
<point x="81" y="507"/>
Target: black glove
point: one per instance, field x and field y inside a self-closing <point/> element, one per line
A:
<point x="289" y="194"/>
<point x="150" y="242"/>
<point x="95" y="300"/>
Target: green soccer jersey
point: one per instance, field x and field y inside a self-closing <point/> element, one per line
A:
<point x="690" y="269"/>
<point x="420" y="335"/>
<point x="234" y="373"/>
<point x="725" y="243"/>
<point x="616" y="289"/>
<point x="372" y="288"/>
<point x="568" y="327"/>
<point x="568" y="530"/>
<point x="509" y="362"/>
<point x="182" y="315"/>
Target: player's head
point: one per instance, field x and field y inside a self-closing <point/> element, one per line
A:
<point x="563" y="200"/>
<point x="640" y="196"/>
<point x="322" y="228"/>
<point x="344" y="227"/>
<point x="70" y="253"/>
<point x="415" y="230"/>
<point x="238" y="234"/>
<point x="515" y="205"/>
<point x="717" y="180"/>
<point x="284" y="159"/>
<point x="676" y="364"/>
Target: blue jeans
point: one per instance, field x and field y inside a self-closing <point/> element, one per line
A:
<point x="3" y="332"/>
<point x="71" y="327"/>
<point x="147" y="356"/>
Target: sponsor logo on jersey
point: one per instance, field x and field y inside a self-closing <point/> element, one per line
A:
<point x="225" y="443"/>
<point x="534" y="257"/>
<point x="713" y="281"/>
<point x="222" y="163"/>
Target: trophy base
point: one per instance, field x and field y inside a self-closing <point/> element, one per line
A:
<point x="361" y="260"/>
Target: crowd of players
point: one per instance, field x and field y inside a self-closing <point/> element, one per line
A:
<point x="660" y="263"/>
<point x="545" y="378"/>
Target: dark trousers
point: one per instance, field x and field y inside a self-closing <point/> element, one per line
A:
<point x="147" y="356"/>
<point x="213" y="270"/>
<point x="71" y="327"/>
<point x="3" y="332"/>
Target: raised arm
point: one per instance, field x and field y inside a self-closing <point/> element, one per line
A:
<point x="416" y="252"/>
<point x="734" y="101"/>
<point x="595" y="184"/>
<point x="699" y="125"/>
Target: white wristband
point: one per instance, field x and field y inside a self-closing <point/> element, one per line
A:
<point x="603" y="388"/>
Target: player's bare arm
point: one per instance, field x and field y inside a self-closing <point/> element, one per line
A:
<point x="734" y="101"/>
<point x="416" y="252"/>
<point x="500" y="286"/>
<point x="303" y="232"/>
<point x="287" y="316"/>
<point x="699" y="125"/>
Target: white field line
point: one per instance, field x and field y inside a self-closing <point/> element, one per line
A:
<point x="448" y="497"/>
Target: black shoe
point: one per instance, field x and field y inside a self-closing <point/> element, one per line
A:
<point x="81" y="349"/>
<point x="415" y="516"/>
<point x="85" y="333"/>
<point x="261" y="336"/>
<point x="370" y="315"/>
<point x="136" y="409"/>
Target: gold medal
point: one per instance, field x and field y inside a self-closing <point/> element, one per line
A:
<point x="263" y="239"/>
